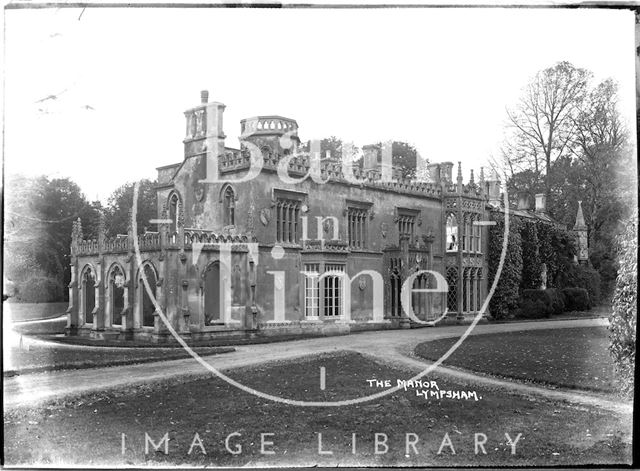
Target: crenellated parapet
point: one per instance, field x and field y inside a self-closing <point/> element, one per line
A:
<point x="152" y="241"/>
<point x="200" y="236"/>
<point x="268" y="125"/>
<point x="299" y="165"/>
<point x="320" y="245"/>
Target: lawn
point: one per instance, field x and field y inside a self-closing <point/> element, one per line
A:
<point x="571" y="358"/>
<point x="88" y="430"/>
<point x="48" y="357"/>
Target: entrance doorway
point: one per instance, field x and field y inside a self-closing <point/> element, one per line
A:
<point x="212" y="299"/>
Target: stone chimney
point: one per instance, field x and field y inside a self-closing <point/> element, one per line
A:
<point x="492" y="189"/>
<point x="523" y="201"/>
<point x="434" y="172"/>
<point x="372" y="157"/>
<point x="541" y="203"/>
<point x="204" y="137"/>
<point x="446" y="171"/>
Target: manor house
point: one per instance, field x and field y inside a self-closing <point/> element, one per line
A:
<point x="240" y="252"/>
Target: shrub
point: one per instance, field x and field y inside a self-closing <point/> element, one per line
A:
<point x="623" y="319"/>
<point x="539" y="303"/>
<point x="576" y="299"/>
<point x="39" y="289"/>
<point x="557" y="301"/>
<point x="581" y="276"/>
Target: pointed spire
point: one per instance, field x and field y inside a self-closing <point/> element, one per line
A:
<point x="471" y="179"/>
<point x="580" y="224"/>
<point x="79" y="229"/>
<point x="481" y="176"/>
<point x="102" y="232"/>
<point x="102" y="226"/>
<point x="459" y="171"/>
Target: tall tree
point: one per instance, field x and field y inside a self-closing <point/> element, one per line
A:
<point x="121" y="201"/>
<point x="544" y="117"/>
<point x="39" y="217"/>
<point x="602" y="152"/>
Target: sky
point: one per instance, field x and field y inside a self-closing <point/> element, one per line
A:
<point x="440" y="79"/>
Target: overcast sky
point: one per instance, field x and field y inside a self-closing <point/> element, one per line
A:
<point x="438" y="78"/>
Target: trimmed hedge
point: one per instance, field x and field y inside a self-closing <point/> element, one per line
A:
<point x="539" y="303"/>
<point x="557" y="300"/>
<point x="623" y="320"/>
<point x="581" y="276"/>
<point x="576" y="299"/>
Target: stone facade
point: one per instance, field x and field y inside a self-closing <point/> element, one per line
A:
<point x="241" y="252"/>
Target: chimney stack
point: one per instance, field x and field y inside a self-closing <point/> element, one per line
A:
<point x="492" y="189"/>
<point x="541" y="203"/>
<point x="434" y="172"/>
<point x="446" y="170"/>
<point x="371" y="160"/>
<point x="523" y="200"/>
<point x="204" y="96"/>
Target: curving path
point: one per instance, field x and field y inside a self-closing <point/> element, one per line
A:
<point x="394" y="347"/>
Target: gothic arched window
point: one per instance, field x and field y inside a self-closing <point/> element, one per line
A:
<point x="174" y="208"/>
<point x="452" y="233"/>
<point x="229" y="206"/>
<point x="466" y="235"/>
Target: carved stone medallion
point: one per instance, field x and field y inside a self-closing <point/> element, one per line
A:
<point x="265" y="216"/>
<point x="198" y="191"/>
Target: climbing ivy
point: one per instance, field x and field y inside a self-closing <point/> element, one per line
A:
<point x="531" y="264"/>
<point x="623" y="320"/>
<point x="505" y="298"/>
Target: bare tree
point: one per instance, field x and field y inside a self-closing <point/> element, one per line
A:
<point x="544" y="118"/>
<point x="601" y="146"/>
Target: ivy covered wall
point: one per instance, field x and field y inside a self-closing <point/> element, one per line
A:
<point x="536" y="251"/>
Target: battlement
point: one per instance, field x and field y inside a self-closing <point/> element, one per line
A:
<point x="153" y="241"/>
<point x="330" y="170"/>
<point x="268" y="125"/>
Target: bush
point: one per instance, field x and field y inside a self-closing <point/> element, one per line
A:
<point x="539" y="303"/>
<point x="557" y="301"/>
<point x="576" y="299"/>
<point x="582" y="276"/>
<point x="534" y="309"/>
<point x="39" y="289"/>
<point x="623" y="320"/>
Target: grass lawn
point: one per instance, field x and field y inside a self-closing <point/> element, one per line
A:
<point x="47" y="358"/>
<point x="88" y="430"/>
<point x="571" y="358"/>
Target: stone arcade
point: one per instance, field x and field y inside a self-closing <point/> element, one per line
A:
<point x="265" y="257"/>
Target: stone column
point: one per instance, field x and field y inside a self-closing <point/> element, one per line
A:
<point x="72" y="310"/>
<point x="184" y="310"/>
<point x="405" y="322"/>
<point x="98" y="310"/>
